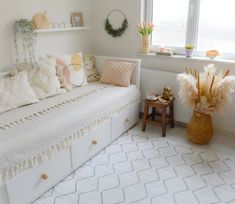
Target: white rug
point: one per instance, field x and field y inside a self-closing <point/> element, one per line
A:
<point x="142" y="168"/>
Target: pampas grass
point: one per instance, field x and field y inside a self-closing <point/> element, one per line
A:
<point x="206" y="92"/>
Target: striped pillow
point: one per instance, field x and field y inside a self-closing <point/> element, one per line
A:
<point x="117" y="73"/>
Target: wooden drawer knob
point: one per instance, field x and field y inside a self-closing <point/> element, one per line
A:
<point x="44" y="176"/>
<point x="94" y="142"/>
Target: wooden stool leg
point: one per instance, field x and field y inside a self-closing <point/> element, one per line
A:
<point x="153" y="113"/>
<point x="172" y="115"/>
<point x="146" y="109"/>
<point x="163" y="121"/>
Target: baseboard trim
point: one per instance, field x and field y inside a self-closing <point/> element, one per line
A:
<point x="182" y="124"/>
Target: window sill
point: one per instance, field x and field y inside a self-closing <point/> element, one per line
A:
<point x="182" y="57"/>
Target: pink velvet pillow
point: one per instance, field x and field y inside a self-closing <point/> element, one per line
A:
<point x="117" y="73"/>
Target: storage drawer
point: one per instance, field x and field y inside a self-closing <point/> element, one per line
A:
<point x="125" y="121"/>
<point x="134" y="114"/>
<point x="87" y="146"/>
<point x="31" y="184"/>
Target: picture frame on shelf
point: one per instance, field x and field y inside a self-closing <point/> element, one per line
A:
<point x="77" y="19"/>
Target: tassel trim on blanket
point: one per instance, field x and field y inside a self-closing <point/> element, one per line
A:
<point x="50" y="152"/>
<point x="52" y="108"/>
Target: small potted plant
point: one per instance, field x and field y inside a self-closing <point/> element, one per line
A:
<point x="189" y="49"/>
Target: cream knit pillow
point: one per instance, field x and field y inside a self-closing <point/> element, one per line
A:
<point x="117" y="73"/>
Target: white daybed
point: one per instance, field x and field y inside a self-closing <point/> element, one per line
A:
<point x="42" y="143"/>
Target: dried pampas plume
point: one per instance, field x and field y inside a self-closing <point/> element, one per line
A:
<point x="206" y="92"/>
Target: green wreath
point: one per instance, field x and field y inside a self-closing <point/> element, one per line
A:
<point x="115" y="32"/>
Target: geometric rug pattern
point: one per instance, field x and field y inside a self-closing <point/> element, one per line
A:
<point x="141" y="168"/>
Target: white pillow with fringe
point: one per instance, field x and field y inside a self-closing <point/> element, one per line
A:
<point x="43" y="78"/>
<point x="15" y="92"/>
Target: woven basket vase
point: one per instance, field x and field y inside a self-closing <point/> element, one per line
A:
<point x="200" y="128"/>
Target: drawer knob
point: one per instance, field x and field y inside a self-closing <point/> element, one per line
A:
<point x="127" y="120"/>
<point x="94" y="142"/>
<point x="44" y="176"/>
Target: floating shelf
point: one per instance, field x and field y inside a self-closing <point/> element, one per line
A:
<point x="50" y="30"/>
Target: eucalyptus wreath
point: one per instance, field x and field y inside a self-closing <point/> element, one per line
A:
<point x="119" y="31"/>
<point x="24" y="33"/>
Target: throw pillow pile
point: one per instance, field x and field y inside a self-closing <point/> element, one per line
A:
<point x="56" y="75"/>
<point x="53" y="76"/>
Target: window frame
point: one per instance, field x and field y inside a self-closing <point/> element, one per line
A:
<point x="191" y="29"/>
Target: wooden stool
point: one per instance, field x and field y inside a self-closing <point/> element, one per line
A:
<point x="164" y="117"/>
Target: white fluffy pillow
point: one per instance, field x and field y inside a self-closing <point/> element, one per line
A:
<point x="15" y="92"/>
<point x="43" y="79"/>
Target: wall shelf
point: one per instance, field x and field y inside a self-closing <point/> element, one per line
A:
<point x="50" y="30"/>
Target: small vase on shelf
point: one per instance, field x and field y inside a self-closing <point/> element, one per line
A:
<point x="189" y="50"/>
<point x="145" y="43"/>
<point x="145" y="29"/>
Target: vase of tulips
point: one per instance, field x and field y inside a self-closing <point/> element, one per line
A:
<point x="145" y="30"/>
<point x="206" y="93"/>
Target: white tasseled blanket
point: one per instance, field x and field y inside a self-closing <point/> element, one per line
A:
<point x="31" y="134"/>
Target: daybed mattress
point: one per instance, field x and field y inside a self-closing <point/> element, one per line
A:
<point x="31" y="134"/>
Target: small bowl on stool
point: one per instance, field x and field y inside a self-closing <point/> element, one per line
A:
<point x="151" y="96"/>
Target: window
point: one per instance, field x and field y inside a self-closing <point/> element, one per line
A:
<point x="208" y="24"/>
<point x="216" y="28"/>
<point x="171" y="25"/>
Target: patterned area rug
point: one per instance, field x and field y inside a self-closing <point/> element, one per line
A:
<point x="142" y="168"/>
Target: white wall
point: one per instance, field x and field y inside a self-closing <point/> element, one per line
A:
<point x="55" y="43"/>
<point x="129" y="44"/>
